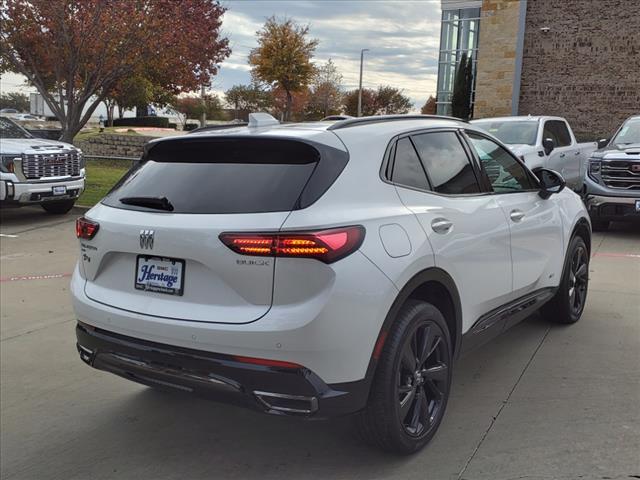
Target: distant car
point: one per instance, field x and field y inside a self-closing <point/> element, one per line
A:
<point x="22" y="117"/>
<point x="36" y="171"/>
<point x="320" y="269"/>
<point x="9" y="110"/>
<point x="543" y="142"/>
<point x="613" y="178"/>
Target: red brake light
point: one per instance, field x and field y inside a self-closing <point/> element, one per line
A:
<point x="86" y="229"/>
<point x="325" y="245"/>
<point x="265" y="362"/>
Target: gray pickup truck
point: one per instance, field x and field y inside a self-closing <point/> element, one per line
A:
<point x="35" y="171"/>
<point x="612" y="183"/>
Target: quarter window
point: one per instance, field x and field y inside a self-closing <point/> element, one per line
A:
<point x="447" y="163"/>
<point x="557" y="130"/>
<point x="407" y="169"/>
<point x="504" y="171"/>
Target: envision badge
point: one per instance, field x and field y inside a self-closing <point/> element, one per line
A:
<point x="146" y="239"/>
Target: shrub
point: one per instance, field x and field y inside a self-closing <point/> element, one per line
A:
<point x="159" y="122"/>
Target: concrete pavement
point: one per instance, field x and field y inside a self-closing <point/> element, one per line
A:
<point x="541" y="402"/>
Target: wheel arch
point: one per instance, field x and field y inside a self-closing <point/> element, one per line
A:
<point x="583" y="229"/>
<point x="432" y="285"/>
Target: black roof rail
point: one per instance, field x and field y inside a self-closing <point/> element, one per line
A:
<point x="354" y="122"/>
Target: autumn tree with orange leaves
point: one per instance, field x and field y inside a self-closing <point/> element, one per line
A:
<point x="282" y="59"/>
<point x="77" y="51"/>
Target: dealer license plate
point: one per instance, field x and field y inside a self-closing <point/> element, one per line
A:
<point x="159" y="274"/>
<point x="59" y="190"/>
<point x="637" y="205"/>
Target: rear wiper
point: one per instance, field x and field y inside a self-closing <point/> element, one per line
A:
<point x="159" y="203"/>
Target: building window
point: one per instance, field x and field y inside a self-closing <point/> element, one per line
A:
<point x="458" y="35"/>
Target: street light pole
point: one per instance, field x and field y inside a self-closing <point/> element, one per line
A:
<point x="203" y="117"/>
<point x="360" y="85"/>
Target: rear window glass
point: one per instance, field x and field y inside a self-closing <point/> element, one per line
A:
<point x="220" y="176"/>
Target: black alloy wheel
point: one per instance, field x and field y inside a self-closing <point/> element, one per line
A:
<point x="578" y="280"/>
<point x="422" y="378"/>
<point x="410" y="388"/>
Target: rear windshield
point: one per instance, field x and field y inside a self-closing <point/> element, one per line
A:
<point x="220" y="175"/>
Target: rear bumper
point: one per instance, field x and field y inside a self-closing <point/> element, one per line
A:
<point x="282" y="390"/>
<point x="613" y="208"/>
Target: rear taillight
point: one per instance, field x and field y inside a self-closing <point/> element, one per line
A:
<point x="86" y="229"/>
<point x="324" y="245"/>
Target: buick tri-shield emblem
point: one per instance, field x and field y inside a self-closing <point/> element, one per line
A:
<point x="146" y="239"/>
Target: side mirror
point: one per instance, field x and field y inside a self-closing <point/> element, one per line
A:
<point x="603" y="142"/>
<point x="550" y="182"/>
<point x="548" y="144"/>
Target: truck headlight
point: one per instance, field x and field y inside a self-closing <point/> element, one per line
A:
<point x="8" y="163"/>
<point x="594" y="169"/>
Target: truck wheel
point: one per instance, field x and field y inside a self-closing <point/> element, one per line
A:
<point x="599" y="225"/>
<point x="58" y="208"/>
<point x="568" y="303"/>
<point x="411" y="386"/>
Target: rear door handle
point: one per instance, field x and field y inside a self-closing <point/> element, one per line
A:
<point x="516" y="215"/>
<point x="561" y="155"/>
<point x="441" y="225"/>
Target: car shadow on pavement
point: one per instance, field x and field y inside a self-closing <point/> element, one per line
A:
<point x="166" y="431"/>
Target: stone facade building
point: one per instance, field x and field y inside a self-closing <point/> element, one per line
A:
<point x="574" y="58"/>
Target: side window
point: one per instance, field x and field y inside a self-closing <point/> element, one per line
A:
<point x="558" y="131"/>
<point x="407" y="169"/>
<point x="447" y="163"/>
<point x="504" y="171"/>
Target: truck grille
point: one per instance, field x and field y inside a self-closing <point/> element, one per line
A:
<point x="621" y="174"/>
<point x="42" y="165"/>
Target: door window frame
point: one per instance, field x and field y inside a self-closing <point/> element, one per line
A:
<point x="386" y="169"/>
<point x="536" y="182"/>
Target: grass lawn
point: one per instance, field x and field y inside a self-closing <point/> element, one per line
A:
<point x="87" y="133"/>
<point x="101" y="176"/>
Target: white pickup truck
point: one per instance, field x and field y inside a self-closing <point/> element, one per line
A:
<point x="35" y="171"/>
<point x="543" y="142"/>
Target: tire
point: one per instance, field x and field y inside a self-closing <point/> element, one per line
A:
<point x="408" y="398"/>
<point x="568" y="303"/>
<point x="599" y="225"/>
<point x="58" y="208"/>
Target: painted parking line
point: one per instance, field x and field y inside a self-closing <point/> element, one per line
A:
<point x="617" y="255"/>
<point x="47" y="276"/>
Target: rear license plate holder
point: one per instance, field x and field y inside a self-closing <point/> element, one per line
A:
<point x="159" y="274"/>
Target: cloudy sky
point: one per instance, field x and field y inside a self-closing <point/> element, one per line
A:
<point x="402" y="36"/>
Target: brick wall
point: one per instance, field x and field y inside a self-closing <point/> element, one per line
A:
<point x="496" y="57"/>
<point x="114" y="145"/>
<point x="586" y="67"/>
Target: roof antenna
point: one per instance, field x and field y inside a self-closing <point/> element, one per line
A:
<point x="257" y="120"/>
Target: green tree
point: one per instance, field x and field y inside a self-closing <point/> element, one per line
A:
<point x="283" y="58"/>
<point x="325" y="96"/>
<point x="462" y="85"/>
<point x="16" y="100"/>
<point x="193" y="107"/>
<point x="350" y="102"/>
<point x="386" y="100"/>
<point x="390" y="100"/>
<point x="248" y="98"/>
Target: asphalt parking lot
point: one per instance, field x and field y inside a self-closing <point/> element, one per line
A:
<point x="541" y="402"/>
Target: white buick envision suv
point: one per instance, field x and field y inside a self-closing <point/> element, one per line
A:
<point x="324" y="269"/>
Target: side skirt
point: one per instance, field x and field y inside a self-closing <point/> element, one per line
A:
<point x="498" y="320"/>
